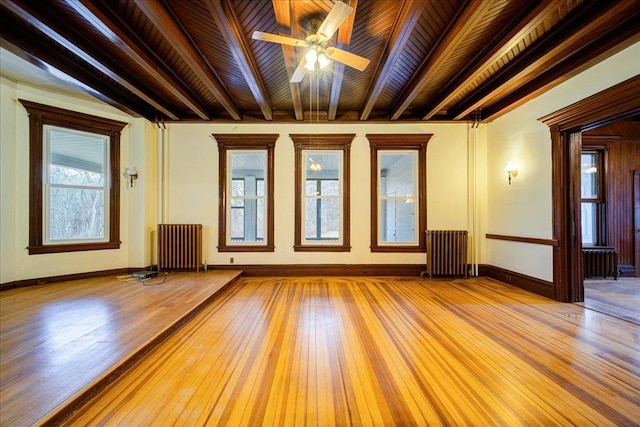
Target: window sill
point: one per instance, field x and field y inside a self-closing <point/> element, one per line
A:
<point x="75" y="247"/>
<point x="321" y="248"/>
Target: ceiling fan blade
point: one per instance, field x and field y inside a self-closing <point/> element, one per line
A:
<point x="275" y="38"/>
<point x="298" y="74"/>
<point x="347" y="58"/>
<point x="334" y="19"/>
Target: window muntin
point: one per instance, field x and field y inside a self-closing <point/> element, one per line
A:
<point x="76" y="186"/>
<point x="247" y="171"/>
<point x="246" y="222"/>
<point x="592" y="203"/>
<point x="397" y="184"/>
<point x="398" y="195"/>
<point x="322" y="192"/>
<point x="322" y="213"/>
<point x="40" y="176"/>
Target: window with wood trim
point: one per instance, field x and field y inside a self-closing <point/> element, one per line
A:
<point x="74" y="180"/>
<point x="593" y="208"/>
<point x="398" y="192"/>
<point x="246" y="192"/>
<point x="322" y="192"/>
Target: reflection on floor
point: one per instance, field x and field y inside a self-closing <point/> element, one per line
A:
<point x="619" y="298"/>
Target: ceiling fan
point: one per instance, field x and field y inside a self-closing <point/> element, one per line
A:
<point x="319" y="52"/>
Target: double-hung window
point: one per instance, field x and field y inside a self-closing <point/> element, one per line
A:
<point x="74" y="180"/>
<point x="246" y="192"/>
<point x="322" y="192"/>
<point x="593" y="201"/>
<point x="398" y="192"/>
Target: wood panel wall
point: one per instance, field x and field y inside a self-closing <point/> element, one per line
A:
<point x="622" y="158"/>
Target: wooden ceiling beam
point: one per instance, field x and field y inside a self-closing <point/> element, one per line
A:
<point x="585" y="22"/>
<point x="119" y="32"/>
<point x="343" y="40"/>
<point x="282" y="9"/>
<point x="406" y="21"/>
<point x="451" y="39"/>
<point x="622" y="36"/>
<point x="167" y="26"/>
<point x="229" y="24"/>
<point x="48" y="60"/>
<point x="533" y="13"/>
<point x="25" y="12"/>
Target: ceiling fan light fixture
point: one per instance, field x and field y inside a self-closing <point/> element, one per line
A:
<point x="311" y="57"/>
<point x="323" y="61"/>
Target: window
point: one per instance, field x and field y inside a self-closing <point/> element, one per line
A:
<point x="398" y="192"/>
<point x="322" y="192"/>
<point x="74" y="184"/>
<point x="246" y="192"/>
<point x="592" y="206"/>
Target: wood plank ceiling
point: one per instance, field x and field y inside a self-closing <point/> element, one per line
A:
<point x="430" y="59"/>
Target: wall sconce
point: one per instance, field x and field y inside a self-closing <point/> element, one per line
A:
<point x="511" y="170"/>
<point x="132" y="173"/>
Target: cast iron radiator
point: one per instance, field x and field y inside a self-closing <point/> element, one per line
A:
<point x="447" y="253"/>
<point x="600" y="261"/>
<point x="179" y="246"/>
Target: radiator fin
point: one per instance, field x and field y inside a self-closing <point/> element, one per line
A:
<point x="179" y="246"/>
<point x="447" y="253"/>
<point x="602" y="261"/>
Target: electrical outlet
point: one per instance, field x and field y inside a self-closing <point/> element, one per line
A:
<point x="231" y="260"/>
<point x="507" y="278"/>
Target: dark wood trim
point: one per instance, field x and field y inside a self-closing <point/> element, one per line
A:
<point x="636" y="221"/>
<point x="230" y="26"/>
<point x="400" y="270"/>
<point x="617" y="102"/>
<point x="228" y="141"/>
<point x="406" y="20"/>
<point x="532" y="240"/>
<point x="343" y="40"/>
<point x="304" y="142"/>
<point x="417" y="142"/>
<point x="163" y="20"/>
<point x="528" y="283"/>
<point x="65" y="278"/>
<point x="40" y="115"/>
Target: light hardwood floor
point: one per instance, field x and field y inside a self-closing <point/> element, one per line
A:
<point x="57" y="341"/>
<point x="618" y="298"/>
<point x="369" y="351"/>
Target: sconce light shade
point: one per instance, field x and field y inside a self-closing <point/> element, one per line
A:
<point x="132" y="173"/>
<point x="511" y="170"/>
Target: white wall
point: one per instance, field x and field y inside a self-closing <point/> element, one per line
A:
<point x="16" y="263"/>
<point x="193" y="187"/>
<point x="524" y="208"/>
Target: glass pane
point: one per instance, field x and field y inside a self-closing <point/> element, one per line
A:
<point x="589" y="224"/>
<point x="76" y="158"/>
<point x="311" y="188"/>
<point x="311" y="219"/>
<point x="237" y="224"/>
<point x="330" y="219"/>
<point x="329" y="188"/>
<point x="237" y="187"/>
<point x="260" y="187"/>
<point x="237" y="203"/>
<point x="397" y="221"/>
<point x="76" y="214"/>
<point x="248" y="168"/>
<point x="590" y="176"/>
<point x="397" y="174"/>
<point x="260" y="220"/>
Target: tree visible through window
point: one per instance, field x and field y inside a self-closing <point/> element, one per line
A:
<point x="322" y="192"/>
<point x="74" y="180"/>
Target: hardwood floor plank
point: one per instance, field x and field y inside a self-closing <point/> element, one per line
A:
<point x="57" y="341"/>
<point x="379" y="351"/>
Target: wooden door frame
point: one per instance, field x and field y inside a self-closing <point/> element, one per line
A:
<point x="636" y="220"/>
<point x="566" y="126"/>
